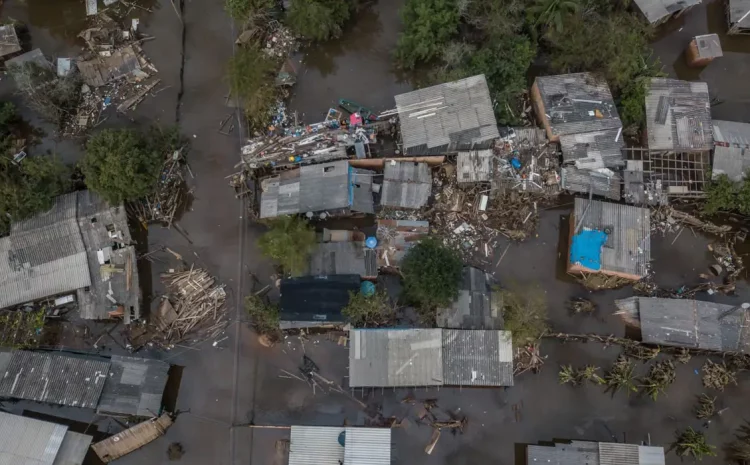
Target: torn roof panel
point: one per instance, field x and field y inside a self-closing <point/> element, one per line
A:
<point x="678" y="115"/>
<point x="592" y="150"/>
<point x="101" y="70"/>
<point x="588" y="181"/>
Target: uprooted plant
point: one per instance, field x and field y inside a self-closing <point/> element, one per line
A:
<point x="718" y="375"/>
<point x="659" y="377"/>
<point x="580" y="305"/>
<point x="738" y="451"/>
<point x="692" y="443"/>
<point x="641" y="352"/>
<point x="706" y="407"/>
<point x="567" y="375"/>
<point x="621" y="376"/>
<point x="683" y="356"/>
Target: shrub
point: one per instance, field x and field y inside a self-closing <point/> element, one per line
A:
<point x="289" y="241"/>
<point x="524" y="313"/>
<point x="368" y="311"/>
<point x="432" y="274"/>
<point x="318" y="19"/>
<point x="243" y="10"/>
<point x="428" y="26"/>
<point x="263" y="316"/>
<point x="252" y="76"/>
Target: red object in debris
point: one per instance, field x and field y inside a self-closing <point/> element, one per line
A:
<point x="355" y="119"/>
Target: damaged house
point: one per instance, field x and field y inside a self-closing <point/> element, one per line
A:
<point x="678" y="116"/>
<point x="731" y="149"/>
<point x="578" y="111"/>
<point x="594" y="453"/>
<point x="79" y="248"/>
<point x="333" y="445"/>
<point x="477" y="306"/>
<point x="447" y="117"/>
<point x="430" y="357"/>
<point x="688" y="323"/>
<point x="406" y="184"/>
<point x="609" y="238"/>
<point x="326" y="189"/>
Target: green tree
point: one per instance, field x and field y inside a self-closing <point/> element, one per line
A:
<point x="319" y="19"/>
<point x="289" y="241"/>
<point x="428" y="26"/>
<point x="524" y="313"/>
<point x="496" y="19"/>
<point x="551" y="13"/>
<point x="244" y="10"/>
<point x="618" y="54"/>
<point x="252" y="75"/>
<point x="721" y="195"/>
<point x="121" y="165"/>
<point x="368" y="311"/>
<point x="432" y="274"/>
<point x="264" y="316"/>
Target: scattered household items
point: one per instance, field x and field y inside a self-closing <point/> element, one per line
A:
<point x="477" y="306"/>
<point x="447" y="117"/>
<point x="27" y="440"/>
<point x="81" y="245"/>
<point x="9" y="43"/>
<point x="702" y="50"/>
<point x="667" y="220"/>
<point x="687" y="323"/>
<point x="526" y="162"/>
<point x="361" y="112"/>
<point x="132" y="438"/>
<point x="578" y="111"/>
<point x="396" y="237"/>
<point x="447" y="357"/>
<point x="192" y="309"/>
<point x="406" y="184"/>
<point x="315" y="301"/>
<point x="731" y="148"/>
<point x="326" y="445"/>
<point x="738" y="17"/>
<point x="678" y="116"/>
<point x="594" y="453"/>
<point x="609" y="238"/>
<point x="328" y="189"/>
<point x="169" y="196"/>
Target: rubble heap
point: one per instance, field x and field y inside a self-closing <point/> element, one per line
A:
<point x="169" y="195"/>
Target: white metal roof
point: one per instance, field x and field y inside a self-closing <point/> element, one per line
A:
<point x="321" y="445"/>
<point x="26" y="441"/>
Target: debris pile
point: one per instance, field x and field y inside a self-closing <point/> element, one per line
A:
<point x="170" y="193"/>
<point x="666" y="219"/>
<point x="718" y="376"/>
<point x="193" y="307"/>
<point x="580" y="305"/>
<point x="527" y="163"/>
<point x="528" y="358"/>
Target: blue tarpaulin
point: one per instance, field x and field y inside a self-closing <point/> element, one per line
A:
<point x="586" y="249"/>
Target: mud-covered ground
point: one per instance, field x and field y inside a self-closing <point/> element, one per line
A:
<point x="238" y="382"/>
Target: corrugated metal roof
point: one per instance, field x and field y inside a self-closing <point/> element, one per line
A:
<point x="54" y="378"/>
<point x="575" y="453"/>
<point x="26" y="441"/>
<point x="331" y="258"/>
<point x="656" y="10"/>
<point x="476" y="307"/>
<point x="315" y="300"/>
<point x="474" y="166"/>
<point x="73" y="449"/>
<point x="592" y="150"/>
<point x="738" y="13"/>
<point x="5" y="360"/>
<point x="406" y="184"/>
<point x="650" y="455"/>
<point x="367" y="446"/>
<point x="611" y="453"/>
<point x="584" y="181"/>
<point x="395" y="357"/>
<point x="132" y="438"/>
<point x="577" y="103"/>
<point x="709" y="46"/>
<point x="134" y="386"/>
<point x="310" y="188"/>
<point x="477" y="358"/>
<point x="101" y="70"/>
<point x="628" y="246"/>
<point x="731" y="149"/>
<point x="678" y="115"/>
<point x="690" y="323"/>
<point x="315" y="445"/>
<point x="447" y="117"/>
<point x="9" y="40"/>
<point x="363" y="201"/>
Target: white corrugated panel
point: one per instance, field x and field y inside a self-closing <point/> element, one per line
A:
<point x="367" y="446"/>
<point x="648" y="455"/>
<point x="315" y="445"/>
<point x="28" y="441"/>
<point x="618" y="454"/>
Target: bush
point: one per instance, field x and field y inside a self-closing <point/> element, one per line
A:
<point x="243" y="10"/>
<point x="368" y="311"/>
<point x="428" y="27"/>
<point x="633" y="103"/>
<point x="524" y="313"/>
<point x="55" y="98"/>
<point x="318" y="19"/>
<point x="289" y="241"/>
<point x="121" y="165"/>
<point x="432" y="274"/>
<point x="252" y="76"/>
<point x="263" y="316"/>
<point x="497" y="19"/>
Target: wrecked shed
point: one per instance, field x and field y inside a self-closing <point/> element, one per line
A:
<point x="132" y="438"/>
<point x="9" y="43"/>
<point x="396" y="237"/>
<point x="312" y="301"/>
<point x="27" y="441"/>
<point x="688" y="323"/>
<point x="660" y="11"/>
<point x="406" y="184"/>
<point x="584" y="181"/>
<point x="731" y="149"/>
<point x="476" y="307"/>
<point x="101" y="70"/>
<point x="609" y="238"/>
<point x="678" y="116"/>
<point x="594" y="453"/>
<point x="330" y="445"/>
<point x="447" y="117"/>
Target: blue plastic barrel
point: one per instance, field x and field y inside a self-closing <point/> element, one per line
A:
<point x="371" y="242"/>
<point x="367" y="288"/>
